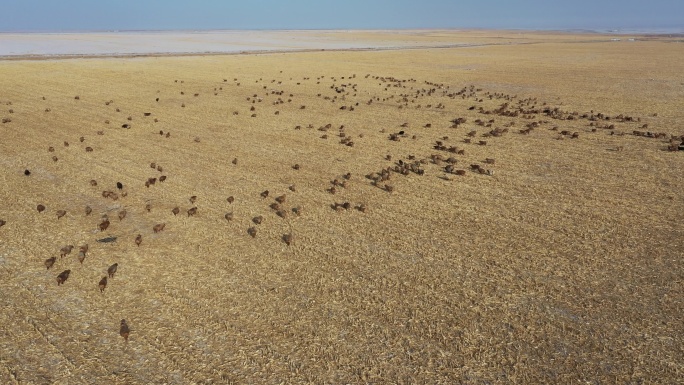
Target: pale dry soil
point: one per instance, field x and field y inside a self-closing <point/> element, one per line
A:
<point x="563" y="266"/>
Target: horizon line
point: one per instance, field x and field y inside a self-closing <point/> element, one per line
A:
<point x="641" y="30"/>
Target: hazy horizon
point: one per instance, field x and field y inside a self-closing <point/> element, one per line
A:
<point x="43" y="16"/>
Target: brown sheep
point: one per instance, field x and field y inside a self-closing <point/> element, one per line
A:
<point x="292" y="188"/>
<point x="93" y="182"/>
<point x="148" y="207"/>
<point x="88" y="210"/>
<point x="122" y="215"/>
<point x="258" y="219"/>
<point x="162" y="178"/>
<point x="281" y="199"/>
<point x="103" y="284"/>
<point x="112" y="270"/>
<point x="231" y="199"/>
<point x="103" y="226"/>
<point x="60" y="213"/>
<point x="63" y="276"/>
<point x="49" y="262"/>
<point x="138" y="240"/>
<point x="40" y="208"/>
<point x="297" y="210"/>
<point x="192" y="211"/>
<point x="159" y="227"/>
<point x="84" y="248"/>
<point x="264" y="194"/>
<point x="229" y="216"/>
<point x="252" y="232"/>
<point x="235" y="161"/>
<point x="66" y="250"/>
<point x="193" y="198"/>
<point x="175" y="210"/>
<point x="287" y="238"/>
<point x="124" y="330"/>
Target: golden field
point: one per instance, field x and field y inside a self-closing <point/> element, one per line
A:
<point x="563" y="265"/>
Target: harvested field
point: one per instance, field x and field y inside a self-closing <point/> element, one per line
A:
<point x="548" y="249"/>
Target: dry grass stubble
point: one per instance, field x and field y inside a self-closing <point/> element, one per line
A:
<point x="563" y="266"/>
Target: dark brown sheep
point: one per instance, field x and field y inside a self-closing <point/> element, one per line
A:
<point x="112" y="270"/>
<point x="264" y="194"/>
<point x="192" y="211"/>
<point x="124" y="330"/>
<point x="49" y="262"/>
<point x="103" y="226"/>
<point x="63" y="276"/>
<point x="40" y="208"/>
<point x="231" y="199"/>
<point x="193" y="198"/>
<point x="103" y="284"/>
<point x="159" y="227"/>
<point x="252" y="232"/>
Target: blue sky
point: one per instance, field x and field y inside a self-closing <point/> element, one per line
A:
<point x="84" y="15"/>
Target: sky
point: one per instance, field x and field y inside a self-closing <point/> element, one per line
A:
<point x="108" y="15"/>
